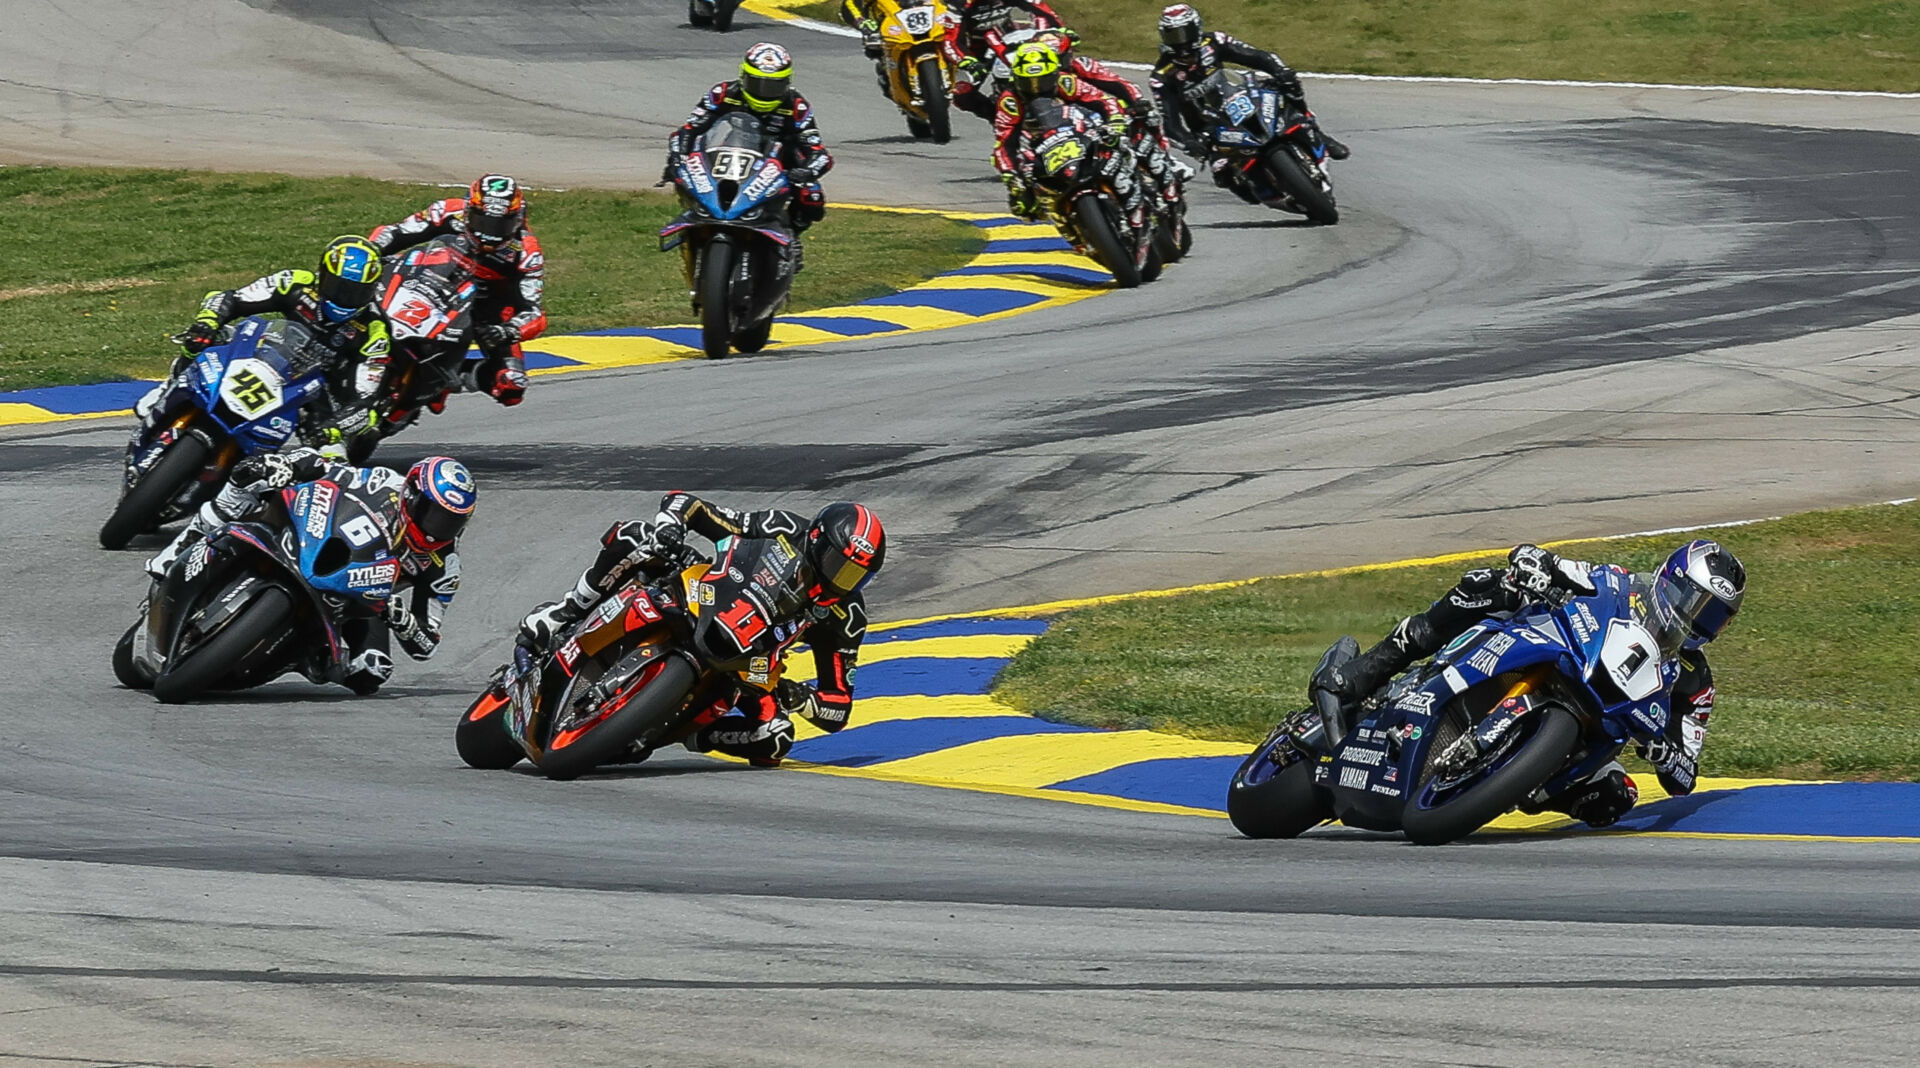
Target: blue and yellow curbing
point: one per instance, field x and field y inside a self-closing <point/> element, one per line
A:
<point x="1025" y="267"/>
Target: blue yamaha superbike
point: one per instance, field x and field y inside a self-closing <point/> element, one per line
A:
<point x="266" y="595"/>
<point x="740" y="249"/>
<point x="239" y="398"/>
<point x="1273" y="150"/>
<point x="1508" y="715"/>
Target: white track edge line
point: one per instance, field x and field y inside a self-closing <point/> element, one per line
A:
<point x="1418" y="79"/>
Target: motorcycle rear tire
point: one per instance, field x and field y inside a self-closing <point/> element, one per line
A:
<point x="140" y="508"/>
<point x="607" y="741"/>
<point x="124" y="669"/>
<point x="1284" y="806"/>
<point x="1109" y="251"/>
<point x="1151" y="272"/>
<point x="1541" y="754"/>
<point x="716" y="290"/>
<point x="933" y="97"/>
<point x="695" y="18"/>
<point x="483" y="741"/>
<point x="1173" y="239"/>
<point x="723" y="15"/>
<point x="225" y="654"/>
<point x="1287" y="174"/>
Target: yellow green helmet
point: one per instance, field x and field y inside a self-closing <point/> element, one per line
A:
<point x="766" y="76"/>
<point x="1036" y="70"/>
<point x="348" y="278"/>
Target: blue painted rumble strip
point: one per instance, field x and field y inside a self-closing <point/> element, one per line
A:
<point x="1052" y="272"/>
<point x="1829" y="809"/>
<point x="540" y="361"/>
<point x="79" y="400"/>
<point x="974" y="302"/>
<point x="1192" y="782"/>
<point x="1028" y="244"/>
<point x="948" y="628"/>
<point x="929" y="676"/>
<point x="899" y="739"/>
<point x="844" y="325"/>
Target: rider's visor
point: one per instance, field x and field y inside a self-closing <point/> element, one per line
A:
<point x="492" y="229"/>
<point x="1180" y="38"/>
<point x="764" y="91"/>
<point x="341" y="297"/>
<point x="846" y="577"/>
<point x="1694" y="607"/>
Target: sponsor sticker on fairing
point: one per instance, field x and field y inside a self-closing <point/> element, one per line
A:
<point x="1369" y="757"/>
<point x="319" y="506"/>
<point x="1353" y="778"/>
<point x="372" y="575"/>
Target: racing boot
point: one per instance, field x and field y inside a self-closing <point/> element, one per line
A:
<point x="763" y="745"/>
<point x="230" y="504"/>
<point x="1357" y="679"/>
<point x="544" y="625"/>
<point x="1335" y="149"/>
<point x="367" y="672"/>
<point x="1600" y="801"/>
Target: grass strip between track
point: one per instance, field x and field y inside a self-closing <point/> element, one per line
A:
<point x="1816" y="679"/>
<point x="106" y="262"/>
<point x="1824" y="44"/>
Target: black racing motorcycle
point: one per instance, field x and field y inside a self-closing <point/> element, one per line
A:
<point x="1093" y="190"/>
<point x="428" y="302"/>
<point x="716" y="15"/>
<point x="738" y="244"/>
<point x="1272" y="146"/>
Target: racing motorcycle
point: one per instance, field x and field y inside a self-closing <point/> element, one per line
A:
<point x="428" y="302"/>
<point x="242" y="397"/>
<point x="739" y="247"/>
<point x="990" y="77"/>
<point x="712" y="14"/>
<point x="637" y="673"/>
<point x="1271" y="145"/>
<point x="263" y="596"/>
<point x="917" y="57"/>
<point x="1509" y="714"/>
<point x="1078" y="173"/>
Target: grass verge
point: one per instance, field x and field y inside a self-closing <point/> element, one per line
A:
<point x="105" y="263"/>
<point x="1816" y="679"/>
<point x="1821" y="44"/>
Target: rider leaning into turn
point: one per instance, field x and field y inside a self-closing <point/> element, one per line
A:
<point x="1687" y="603"/>
<point x="493" y="216"/>
<point x="1036" y="75"/>
<point x="1148" y="138"/>
<point x="842" y="548"/>
<point x="1190" y="55"/>
<point x="424" y="513"/>
<point x="764" y="92"/>
<point x="337" y="302"/>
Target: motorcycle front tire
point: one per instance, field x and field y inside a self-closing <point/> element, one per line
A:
<point x="226" y="653"/>
<point x="933" y="97"/>
<point x="1285" y="805"/>
<point x="716" y="291"/>
<point x="611" y="738"/>
<point x="142" y="504"/>
<point x="1288" y="175"/>
<point x="1541" y="754"/>
<point x="129" y="673"/>
<point x="723" y="15"/>
<point x="1090" y="215"/>
<point x="482" y="737"/>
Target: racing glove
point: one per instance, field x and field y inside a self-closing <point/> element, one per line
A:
<point x="407" y="630"/>
<point x="799" y="699"/>
<point x="1536" y="571"/>
<point x="259" y="474"/>
<point x="197" y="336"/>
<point x="1601" y="802"/>
<point x="495" y="335"/>
<point x="799" y="176"/>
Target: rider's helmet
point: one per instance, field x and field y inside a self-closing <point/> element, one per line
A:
<point x="349" y="277"/>
<point x="1180" y="29"/>
<point x="496" y="210"/>
<point x="766" y="77"/>
<point x="1035" y="71"/>
<point x="438" y="501"/>
<point x="845" y="547"/>
<point x="1059" y="41"/>
<point x="1696" y="593"/>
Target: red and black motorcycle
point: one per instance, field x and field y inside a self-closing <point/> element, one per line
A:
<point x="647" y="667"/>
<point x="428" y="302"/>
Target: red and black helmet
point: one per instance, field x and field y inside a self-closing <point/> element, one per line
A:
<point x="845" y="547"/>
<point x="496" y="210"/>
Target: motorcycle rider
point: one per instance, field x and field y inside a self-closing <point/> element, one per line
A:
<point x="423" y="513"/>
<point x="336" y="302"/>
<point x="765" y="92"/>
<point x="493" y="217"/>
<point x="1190" y="55"/>
<point x="981" y="40"/>
<point x="1035" y="75"/>
<point x="841" y="547"/>
<point x="1686" y="603"/>
<point x="1147" y="138"/>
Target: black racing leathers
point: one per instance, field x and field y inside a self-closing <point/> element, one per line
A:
<point x="790" y="124"/>
<point x="1175" y="72"/>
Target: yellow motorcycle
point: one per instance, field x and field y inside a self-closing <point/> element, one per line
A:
<point x="914" y="57"/>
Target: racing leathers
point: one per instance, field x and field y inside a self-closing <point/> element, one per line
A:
<point x="511" y="310"/>
<point x="984" y="25"/>
<point x="422" y="591"/>
<point x="1531" y="575"/>
<point x="790" y="125"/>
<point x="1011" y="151"/>
<point x="358" y="344"/>
<point x="1186" y="119"/>
<point x="1146" y="136"/>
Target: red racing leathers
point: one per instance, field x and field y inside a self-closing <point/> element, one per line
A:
<point x="1009" y="134"/>
<point x="980" y="40"/>
<point x="511" y="312"/>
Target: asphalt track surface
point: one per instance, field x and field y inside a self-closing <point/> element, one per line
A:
<point x="1547" y="312"/>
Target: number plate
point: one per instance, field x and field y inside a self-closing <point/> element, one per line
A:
<point x="1239" y="108"/>
<point x="251" y="388"/>
<point x="733" y="164"/>
<point x="917" y="20"/>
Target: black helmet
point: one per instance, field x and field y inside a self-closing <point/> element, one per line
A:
<point x="1180" y="28"/>
<point x="1696" y="593"/>
<point x="846" y="546"/>
<point x="496" y="210"/>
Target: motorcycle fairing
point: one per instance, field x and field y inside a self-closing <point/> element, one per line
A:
<point x="1588" y="643"/>
<point x="344" y="545"/>
<point x="251" y="385"/>
<point x="535" y="693"/>
<point x="754" y="207"/>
